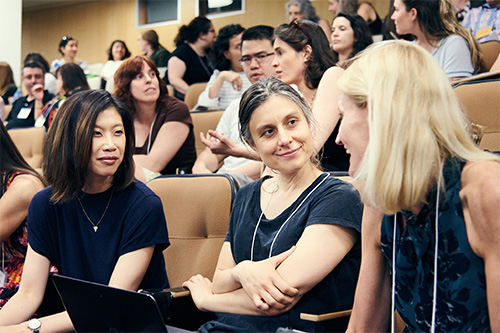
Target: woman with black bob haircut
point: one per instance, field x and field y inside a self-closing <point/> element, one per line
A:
<point x="190" y="63"/>
<point x="350" y="35"/>
<point x="94" y="222"/>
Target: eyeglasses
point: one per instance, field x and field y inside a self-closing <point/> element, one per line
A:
<point x="295" y="23"/>
<point x="259" y="57"/>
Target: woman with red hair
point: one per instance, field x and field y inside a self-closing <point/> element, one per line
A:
<point x="163" y="127"/>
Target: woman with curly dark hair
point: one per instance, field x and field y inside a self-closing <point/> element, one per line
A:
<point x="164" y="140"/>
<point x="350" y="35"/>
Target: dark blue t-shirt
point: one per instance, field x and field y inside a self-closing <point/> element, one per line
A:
<point x="329" y="201"/>
<point x="134" y="220"/>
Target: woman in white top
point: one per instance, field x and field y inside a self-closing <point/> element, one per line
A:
<point x="68" y="47"/>
<point x="117" y="52"/>
<point x="228" y="81"/>
<point x="435" y="28"/>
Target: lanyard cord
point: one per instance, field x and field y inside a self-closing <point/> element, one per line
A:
<point x="436" y="248"/>
<point x="288" y="219"/>
<point x="150" y="134"/>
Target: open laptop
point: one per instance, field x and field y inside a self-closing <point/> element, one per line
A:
<point x="94" y="307"/>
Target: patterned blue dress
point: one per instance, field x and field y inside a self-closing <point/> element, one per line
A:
<point x="461" y="296"/>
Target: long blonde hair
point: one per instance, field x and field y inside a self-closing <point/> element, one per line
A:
<point x="415" y="122"/>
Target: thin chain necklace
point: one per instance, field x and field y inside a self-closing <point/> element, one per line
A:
<point x="96" y="225"/>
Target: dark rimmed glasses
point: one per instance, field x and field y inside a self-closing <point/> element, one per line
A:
<point x="297" y="24"/>
<point x="259" y="57"/>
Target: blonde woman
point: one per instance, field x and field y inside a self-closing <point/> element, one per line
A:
<point x="437" y="190"/>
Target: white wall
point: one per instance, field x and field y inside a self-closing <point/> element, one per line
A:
<point x="10" y="39"/>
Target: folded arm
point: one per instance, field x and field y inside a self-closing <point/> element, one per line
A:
<point x="176" y="70"/>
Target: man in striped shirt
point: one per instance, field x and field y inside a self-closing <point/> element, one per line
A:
<point x="484" y="21"/>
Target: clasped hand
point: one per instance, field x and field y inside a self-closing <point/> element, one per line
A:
<point x="265" y="287"/>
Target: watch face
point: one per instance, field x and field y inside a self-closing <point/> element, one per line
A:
<point x="34" y="324"/>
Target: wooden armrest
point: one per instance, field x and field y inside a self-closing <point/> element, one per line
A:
<point x="325" y="316"/>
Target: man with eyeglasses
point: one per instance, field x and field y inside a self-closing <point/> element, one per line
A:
<point x="256" y="58"/>
<point x="27" y="109"/>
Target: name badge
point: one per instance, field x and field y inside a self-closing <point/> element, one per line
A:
<point x="483" y="32"/>
<point x="24" y="113"/>
<point x="40" y="121"/>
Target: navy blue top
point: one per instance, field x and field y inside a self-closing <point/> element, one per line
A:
<point x="14" y="122"/>
<point x="134" y="220"/>
<point x="333" y="202"/>
<point x="461" y="297"/>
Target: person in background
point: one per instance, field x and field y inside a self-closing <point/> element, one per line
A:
<point x="365" y="10"/>
<point x="19" y="184"/>
<point x="190" y="62"/>
<point x="149" y="43"/>
<point x="256" y="60"/>
<point x="436" y="29"/>
<point x="435" y="191"/>
<point x="27" y="109"/>
<point x="68" y="47"/>
<point x="94" y="222"/>
<point x="304" y="10"/>
<point x="7" y="84"/>
<point x="484" y="21"/>
<point x="228" y="81"/>
<point x="164" y="140"/>
<point x="293" y="240"/>
<point x="117" y="52"/>
<point x="70" y="80"/>
<point x="462" y="7"/>
<point x="50" y="78"/>
<point x="350" y="35"/>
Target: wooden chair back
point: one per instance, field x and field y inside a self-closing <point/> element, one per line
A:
<point x="197" y="209"/>
<point x="489" y="51"/>
<point x="192" y="94"/>
<point x="481" y="101"/>
<point x="202" y="122"/>
<point x="29" y="142"/>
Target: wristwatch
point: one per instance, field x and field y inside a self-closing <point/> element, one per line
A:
<point x="34" y="325"/>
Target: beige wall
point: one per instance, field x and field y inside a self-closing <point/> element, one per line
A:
<point x="97" y="24"/>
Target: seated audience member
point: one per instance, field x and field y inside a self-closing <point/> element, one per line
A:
<point x="2" y="111"/>
<point x="256" y="55"/>
<point x="50" y="79"/>
<point x="436" y="29"/>
<point x="164" y="140"/>
<point x="7" y="84"/>
<point x="149" y="43"/>
<point x="189" y="62"/>
<point x="27" y="109"/>
<point x="293" y="240"/>
<point x="110" y="227"/>
<point x="19" y="184"/>
<point x="228" y="81"/>
<point x="68" y="47"/>
<point x="484" y="21"/>
<point x="417" y="163"/>
<point x="365" y="10"/>
<point x="70" y="80"/>
<point x="117" y="52"/>
<point x="304" y="10"/>
<point x="350" y="35"/>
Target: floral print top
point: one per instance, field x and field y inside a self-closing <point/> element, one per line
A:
<point x="461" y="288"/>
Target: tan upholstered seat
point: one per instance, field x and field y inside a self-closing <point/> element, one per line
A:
<point x="202" y="122"/>
<point x="29" y="142"/>
<point x="481" y="101"/>
<point x="197" y="209"/>
<point x="192" y="94"/>
<point x="489" y="51"/>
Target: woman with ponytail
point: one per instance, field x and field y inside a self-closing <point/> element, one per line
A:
<point x="436" y="29"/>
<point x="189" y="63"/>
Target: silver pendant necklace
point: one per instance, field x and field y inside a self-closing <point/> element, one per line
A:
<point x="96" y="225"/>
